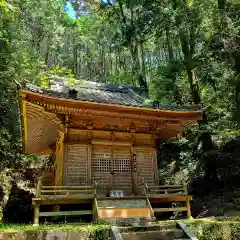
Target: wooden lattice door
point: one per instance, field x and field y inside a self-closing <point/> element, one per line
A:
<point x="122" y="169"/>
<point x="112" y="167"/>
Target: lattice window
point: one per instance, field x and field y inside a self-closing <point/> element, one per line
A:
<point x="105" y="165"/>
<point x="101" y="165"/>
<point x="122" y="165"/>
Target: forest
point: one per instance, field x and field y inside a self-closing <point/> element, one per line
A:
<point x="181" y="52"/>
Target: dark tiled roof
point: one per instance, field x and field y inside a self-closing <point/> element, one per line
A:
<point x="104" y="93"/>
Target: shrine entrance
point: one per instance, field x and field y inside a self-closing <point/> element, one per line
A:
<point x="112" y="167"/>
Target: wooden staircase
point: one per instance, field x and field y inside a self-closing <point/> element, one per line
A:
<point x="124" y="211"/>
<point x="167" y="230"/>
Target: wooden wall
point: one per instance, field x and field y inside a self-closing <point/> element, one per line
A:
<point x="75" y="165"/>
<point x="108" y="157"/>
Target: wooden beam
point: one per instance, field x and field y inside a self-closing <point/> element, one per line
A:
<point x="168" y="198"/>
<point x="62" y="200"/>
<point x="85" y="131"/>
<point x="178" y="209"/>
<point x="66" y="191"/>
<point x="112" y="143"/>
<point x="80" y="142"/>
<point x="65" y="213"/>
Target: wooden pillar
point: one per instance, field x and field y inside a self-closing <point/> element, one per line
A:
<point x="89" y="163"/>
<point x="36" y="215"/>
<point x="134" y="162"/>
<point x="89" y="157"/>
<point x="155" y="164"/>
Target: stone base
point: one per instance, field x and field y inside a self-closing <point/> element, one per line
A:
<point x="137" y="221"/>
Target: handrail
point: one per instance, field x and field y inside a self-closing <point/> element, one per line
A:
<point x="62" y="190"/>
<point x="167" y="189"/>
<point x="149" y="205"/>
<point x="56" y="187"/>
<point x="166" y="186"/>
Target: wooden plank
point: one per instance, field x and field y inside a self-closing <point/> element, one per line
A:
<point x="66" y="191"/>
<point x="179" y="209"/>
<point x="73" y="196"/>
<point x="168" y="198"/>
<point x="166" y="186"/>
<point x="167" y="190"/>
<point x="124" y="213"/>
<point x="52" y="201"/>
<point x="65" y="213"/>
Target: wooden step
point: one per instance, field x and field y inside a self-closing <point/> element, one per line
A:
<point x="154" y="235"/>
<point x="65" y="213"/>
<point x="179" y="209"/>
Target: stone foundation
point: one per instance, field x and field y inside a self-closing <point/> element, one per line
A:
<point x="56" y="235"/>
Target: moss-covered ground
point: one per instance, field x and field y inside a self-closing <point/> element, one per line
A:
<point x="24" y="227"/>
<point x="215" y="228"/>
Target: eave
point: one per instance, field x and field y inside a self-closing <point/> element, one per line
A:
<point x="63" y="103"/>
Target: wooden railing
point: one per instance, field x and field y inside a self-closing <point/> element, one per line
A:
<point x="166" y="189"/>
<point x="51" y="191"/>
<point x="168" y="194"/>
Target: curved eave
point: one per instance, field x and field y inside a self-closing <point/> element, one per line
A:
<point x="33" y="96"/>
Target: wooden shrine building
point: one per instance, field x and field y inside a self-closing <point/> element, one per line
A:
<point x="103" y="138"/>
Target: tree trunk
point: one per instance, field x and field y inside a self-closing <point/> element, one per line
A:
<point x="235" y="55"/>
<point x="136" y="67"/>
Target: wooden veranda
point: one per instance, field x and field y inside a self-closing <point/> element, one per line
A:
<point x="60" y="195"/>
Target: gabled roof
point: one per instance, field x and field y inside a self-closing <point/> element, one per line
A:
<point x="104" y="93"/>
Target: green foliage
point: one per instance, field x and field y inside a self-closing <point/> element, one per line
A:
<point x="215" y="230"/>
<point x="56" y="71"/>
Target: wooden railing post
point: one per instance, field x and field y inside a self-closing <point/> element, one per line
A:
<point x="144" y="186"/>
<point x="36" y="215"/>
<point x="36" y="207"/>
<point x="188" y="209"/>
<point x="39" y="186"/>
<point x="94" y="184"/>
<point x="185" y="189"/>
